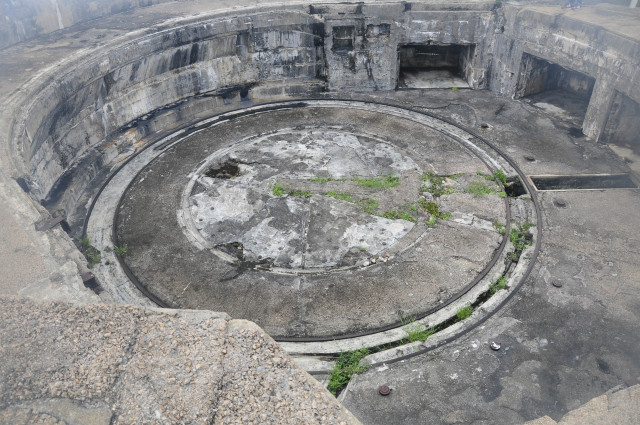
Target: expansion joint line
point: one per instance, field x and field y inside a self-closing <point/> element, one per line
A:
<point x="306" y="219"/>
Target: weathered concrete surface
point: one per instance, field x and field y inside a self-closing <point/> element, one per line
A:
<point x="560" y="346"/>
<point x="593" y="40"/>
<point x="316" y="265"/>
<point x="99" y="365"/>
<point x="618" y="406"/>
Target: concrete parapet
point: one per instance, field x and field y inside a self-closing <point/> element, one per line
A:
<point x="99" y="364"/>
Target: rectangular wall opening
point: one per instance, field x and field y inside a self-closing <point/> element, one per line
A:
<point x="434" y="65"/>
<point x="554" y="88"/>
<point x="343" y="38"/>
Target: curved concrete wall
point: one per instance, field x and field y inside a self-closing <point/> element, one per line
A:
<point x="80" y="118"/>
<point x="77" y="124"/>
<point x="102" y="94"/>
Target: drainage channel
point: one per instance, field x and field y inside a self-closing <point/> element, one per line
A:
<point x="583" y="182"/>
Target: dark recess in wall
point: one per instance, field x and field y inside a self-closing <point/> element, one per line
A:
<point x="551" y="83"/>
<point x="623" y="124"/>
<point x="538" y="75"/>
<point x="452" y="58"/>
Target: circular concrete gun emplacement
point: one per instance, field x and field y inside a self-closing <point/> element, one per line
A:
<point x="317" y="219"/>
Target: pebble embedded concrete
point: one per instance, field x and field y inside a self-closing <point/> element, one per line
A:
<point x="100" y="364"/>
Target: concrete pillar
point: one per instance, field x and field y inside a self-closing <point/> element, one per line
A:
<point x="633" y="4"/>
<point x="599" y="106"/>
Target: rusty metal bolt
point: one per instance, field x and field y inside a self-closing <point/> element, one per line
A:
<point x="384" y="390"/>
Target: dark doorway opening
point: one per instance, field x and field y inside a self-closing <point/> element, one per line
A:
<point x="434" y="65"/>
<point x="556" y="89"/>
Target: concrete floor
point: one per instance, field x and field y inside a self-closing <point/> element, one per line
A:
<point x="560" y="346"/>
<point x="308" y="252"/>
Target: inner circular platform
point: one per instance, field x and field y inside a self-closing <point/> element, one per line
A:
<point x="313" y="219"/>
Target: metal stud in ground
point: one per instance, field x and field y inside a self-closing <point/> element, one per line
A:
<point x="557" y="283"/>
<point x="494" y="346"/>
<point x="384" y="390"/>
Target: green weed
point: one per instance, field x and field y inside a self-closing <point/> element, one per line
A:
<point x="436" y="184"/>
<point x="84" y="241"/>
<point x="369" y="205"/>
<point x="454" y="89"/>
<point x="500" y="176"/>
<point x="433" y="209"/>
<point x="520" y="237"/>
<point x="279" y="190"/>
<point x="120" y="250"/>
<point x="93" y="257"/>
<point x="464" y="312"/>
<point x="478" y="188"/>
<point x="348" y="364"/>
<point x="398" y="214"/>
<point x="385" y="182"/>
<point x="500" y="283"/>
<point x="340" y="195"/>
<point x="415" y="331"/>
<point x="500" y="228"/>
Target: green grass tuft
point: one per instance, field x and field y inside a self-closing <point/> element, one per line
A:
<point x="500" y="283"/>
<point x="434" y="211"/>
<point x="340" y="195"/>
<point x="385" y="182"/>
<point x="369" y="205"/>
<point x="464" y="312"/>
<point x="478" y="188"/>
<point x="398" y="214"/>
<point x="348" y="364"/>
<point x="93" y="257"/>
<point x="436" y="184"/>
<point x="415" y="331"/>
<point x="279" y="190"/>
<point x="500" y="228"/>
<point x="500" y="177"/>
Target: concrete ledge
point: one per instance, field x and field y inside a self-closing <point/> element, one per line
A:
<point x="98" y="364"/>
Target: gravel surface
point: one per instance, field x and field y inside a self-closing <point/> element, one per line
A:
<point x="100" y="364"/>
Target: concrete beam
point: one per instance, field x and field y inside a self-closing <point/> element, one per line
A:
<point x="599" y="106"/>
